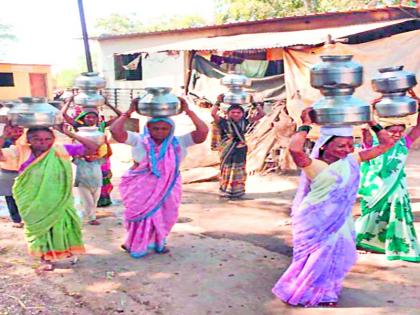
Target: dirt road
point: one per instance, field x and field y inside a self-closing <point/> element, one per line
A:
<point x="225" y="257"/>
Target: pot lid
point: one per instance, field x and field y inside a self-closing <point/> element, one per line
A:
<point x="336" y="64"/>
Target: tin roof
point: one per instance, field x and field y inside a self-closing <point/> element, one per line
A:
<point x="289" y="23"/>
<point x="267" y="40"/>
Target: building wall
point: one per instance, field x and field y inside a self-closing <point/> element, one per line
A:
<point x="173" y="70"/>
<point x="158" y="68"/>
<point x="22" y="85"/>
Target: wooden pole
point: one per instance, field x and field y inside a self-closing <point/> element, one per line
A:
<point x="189" y="71"/>
<point x="85" y="36"/>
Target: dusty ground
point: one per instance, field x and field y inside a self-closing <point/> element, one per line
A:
<point x="225" y="257"/>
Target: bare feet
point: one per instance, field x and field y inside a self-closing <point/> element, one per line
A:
<point x="18" y="225"/>
<point x="164" y="250"/>
<point x="46" y="265"/>
<point x="94" y="222"/>
<point x="327" y="304"/>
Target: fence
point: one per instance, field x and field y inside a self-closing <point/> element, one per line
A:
<point x="121" y="97"/>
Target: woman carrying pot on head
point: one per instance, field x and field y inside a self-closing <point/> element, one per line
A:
<point x="93" y="174"/>
<point x="43" y="193"/>
<point x="151" y="188"/>
<point x="8" y="174"/>
<point x="233" y="148"/>
<point x="386" y="224"/>
<point x="323" y="234"/>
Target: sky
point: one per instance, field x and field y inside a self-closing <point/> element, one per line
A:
<point x="47" y="31"/>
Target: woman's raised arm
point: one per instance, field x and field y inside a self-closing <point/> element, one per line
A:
<point x="297" y="142"/>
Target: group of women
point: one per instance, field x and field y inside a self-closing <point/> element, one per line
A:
<point x="324" y="238"/>
<point x="43" y="188"/>
<point x="324" y="235"/>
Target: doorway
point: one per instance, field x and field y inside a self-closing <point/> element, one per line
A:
<point x="38" y="82"/>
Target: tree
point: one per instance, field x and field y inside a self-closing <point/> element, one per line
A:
<point x="65" y="77"/>
<point x="7" y="39"/>
<point x="6" y="32"/>
<point x="178" y="22"/>
<point x="120" y="24"/>
<point x="248" y="10"/>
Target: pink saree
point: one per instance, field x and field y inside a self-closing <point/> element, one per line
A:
<point x="151" y="193"/>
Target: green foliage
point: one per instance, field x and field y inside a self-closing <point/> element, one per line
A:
<point x="120" y="24"/>
<point x="245" y="10"/>
<point x="248" y="10"/>
<point x="65" y="77"/>
<point x="230" y="11"/>
<point x="6" y="32"/>
<point x="7" y="38"/>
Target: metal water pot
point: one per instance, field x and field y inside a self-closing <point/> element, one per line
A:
<point x="3" y="117"/>
<point x="4" y="111"/>
<point x="234" y="79"/>
<point x="92" y="133"/>
<point x="90" y="81"/>
<point x="159" y="102"/>
<point x="34" y="112"/>
<point x="340" y="110"/>
<point x="236" y="95"/>
<point x="393" y="79"/>
<point x="337" y="71"/>
<point x="57" y="104"/>
<point x="89" y="98"/>
<point x="396" y="105"/>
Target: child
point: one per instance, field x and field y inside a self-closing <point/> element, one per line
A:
<point x="7" y="175"/>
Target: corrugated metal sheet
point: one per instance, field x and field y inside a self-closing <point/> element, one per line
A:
<point x="409" y="10"/>
<point x="267" y="40"/>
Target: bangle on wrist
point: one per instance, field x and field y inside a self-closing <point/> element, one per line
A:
<point x="305" y="128"/>
<point x="377" y="128"/>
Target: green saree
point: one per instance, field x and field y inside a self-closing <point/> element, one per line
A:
<point x="43" y="193"/>
<point x="386" y="224"/>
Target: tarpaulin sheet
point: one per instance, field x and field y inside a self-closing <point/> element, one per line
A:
<point x="206" y="77"/>
<point x="400" y="49"/>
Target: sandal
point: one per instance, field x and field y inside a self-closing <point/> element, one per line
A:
<point x="74" y="261"/>
<point x="94" y="222"/>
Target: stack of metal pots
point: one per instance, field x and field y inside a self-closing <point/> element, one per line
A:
<point x="89" y="84"/>
<point x="337" y="77"/>
<point x="159" y="102"/>
<point x="34" y="112"/>
<point x="393" y="83"/>
<point x="235" y="94"/>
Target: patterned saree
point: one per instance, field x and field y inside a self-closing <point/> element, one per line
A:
<point x="43" y="193"/>
<point x="233" y="151"/>
<point x="386" y="224"/>
<point x="323" y="236"/>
